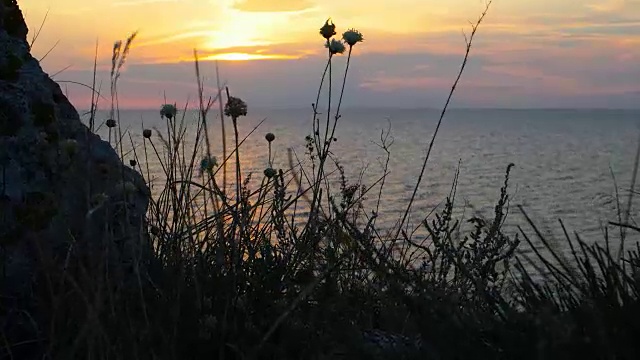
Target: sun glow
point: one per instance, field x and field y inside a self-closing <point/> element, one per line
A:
<point x="245" y="57"/>
<point x="240" y="29"/>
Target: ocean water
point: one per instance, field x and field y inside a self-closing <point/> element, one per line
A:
<point x="564" y="159"/>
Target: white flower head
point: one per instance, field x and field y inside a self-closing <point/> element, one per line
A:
<point x="352" y="37"/>
<point x="168" y="111"/>
<point x="335" y="46"/>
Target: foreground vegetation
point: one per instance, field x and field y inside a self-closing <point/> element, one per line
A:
<point x="234" y="275"/>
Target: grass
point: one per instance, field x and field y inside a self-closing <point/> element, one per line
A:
<point x="229" y="273"/>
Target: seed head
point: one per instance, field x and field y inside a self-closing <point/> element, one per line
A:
<point x="335" y="46"/>
<point x="270" y="172"/>
<point x="270" y="137"/>
<point x="111" y="123"/>
<point x="352" y="37"/>
<point x="235" y="107"/>
<point x="146" y="133"/>
<point x="168" y="110"/>
<point x="208" y="163"/>
<point x="328" y="29"/>
<point x="155" y="230"/>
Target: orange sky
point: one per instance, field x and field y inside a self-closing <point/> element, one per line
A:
<point x="528" y="53"/>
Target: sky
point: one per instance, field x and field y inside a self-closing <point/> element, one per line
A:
<point x="526" y="54"/>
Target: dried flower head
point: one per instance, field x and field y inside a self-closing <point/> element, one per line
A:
<point x="328" y="29"/>
<point x="270" y="137"/>
<point x="154" y="230"/>
<point x="335" y="46"/>
<point x="111" y="123"/>
<point x="270" y="172"/>
<point x="235" y="107"/>
<point x="352" y="37"/>
<point x="168" y="110"/>
<point x="208" y="163"/>
<point x="132" y="162"/>
<point x="146" y="133"/>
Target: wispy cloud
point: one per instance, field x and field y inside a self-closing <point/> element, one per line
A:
<point x="273" y="6"/>
<point x="141" y="2"/>
<point x="607" y="6"/>
<point x="527" y="52"/>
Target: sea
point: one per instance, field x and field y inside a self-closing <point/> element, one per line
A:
<point x="573" y="165"/>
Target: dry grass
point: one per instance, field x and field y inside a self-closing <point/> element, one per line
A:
<point x="234" y="276"/>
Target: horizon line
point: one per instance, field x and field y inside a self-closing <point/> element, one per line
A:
<point x="428" y="108"/>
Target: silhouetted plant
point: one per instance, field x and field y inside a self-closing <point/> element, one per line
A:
<point x="235" y="275"/>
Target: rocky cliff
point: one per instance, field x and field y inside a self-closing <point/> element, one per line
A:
<point x="63" y="191"/>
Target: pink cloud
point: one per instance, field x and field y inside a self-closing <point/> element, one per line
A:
<point x="394" y="83"/>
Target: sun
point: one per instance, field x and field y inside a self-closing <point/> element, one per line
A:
<point x="236" y="34"/>
<point x="240" y="29"/>
<point x="231" y="57"/>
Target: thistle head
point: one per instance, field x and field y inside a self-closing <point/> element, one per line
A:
<point x="168" y="110"/>
<point x="235" y="107"/>
<point x="352" y="37"/>
<point x="208" y="163"/>
<point x="328" y="29"/>
<point x="335" y="46"/>
<point x="270" y="172"/>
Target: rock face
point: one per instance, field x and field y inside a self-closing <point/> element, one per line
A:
<point x="62" y="189"/>
<point x="382" y="345"/>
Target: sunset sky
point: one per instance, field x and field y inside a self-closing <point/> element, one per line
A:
<point x="544" y="53"/>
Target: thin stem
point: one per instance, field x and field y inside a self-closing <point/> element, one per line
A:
<point x="37" y="34"/>
<point x="238" y="171"/>
<point x="203" y="110"/>
<point x="326" y="131"/>
<point x="322" y="154"/>
<point x="630" y="199"/>
<point x="164" y="169"/>
<point x="344" y="82"/>
<point x="316" y="121"/>
<point x="94" y="100"/>
<point x="146" y="158"/>
<point x="224" y="134"/>
<point x="444" y="110"/>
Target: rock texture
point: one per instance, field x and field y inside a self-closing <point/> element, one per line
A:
<point x="62" y="189"/>
<point x="383" y="345"/>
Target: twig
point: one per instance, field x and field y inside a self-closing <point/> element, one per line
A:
<point x="630" y="199"/>
<point x="37" y="34"/>
<point x="444" y="110"/>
